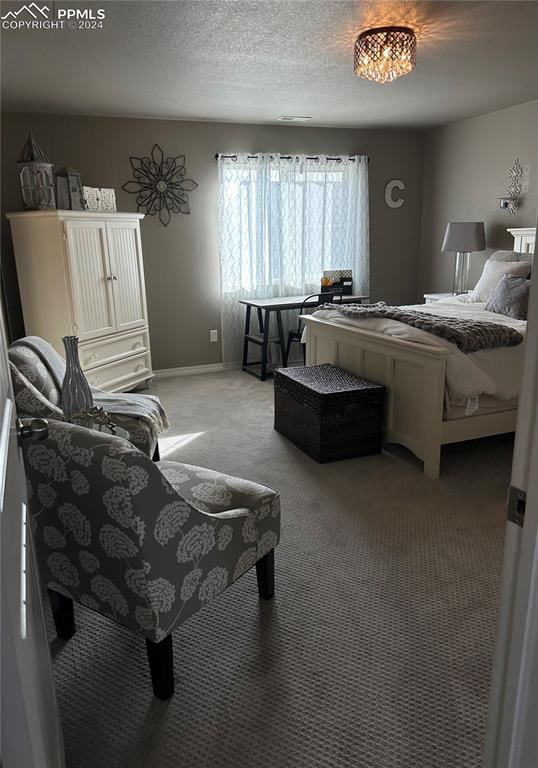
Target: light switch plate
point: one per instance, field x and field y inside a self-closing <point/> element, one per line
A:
<point x="213" y="336"/>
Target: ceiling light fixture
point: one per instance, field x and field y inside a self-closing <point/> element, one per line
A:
<point x="385" y="53"/>
<point x="294" y="118"/>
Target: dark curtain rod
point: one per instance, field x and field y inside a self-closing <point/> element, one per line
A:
<point x="283" y="157"/>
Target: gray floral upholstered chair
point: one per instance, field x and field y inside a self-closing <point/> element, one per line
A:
<point x="145" y="543"/>
<point x="37" y="371"/>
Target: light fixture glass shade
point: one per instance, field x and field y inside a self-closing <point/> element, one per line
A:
<point x="385" y="53"/>
<point x="464" y="236"/>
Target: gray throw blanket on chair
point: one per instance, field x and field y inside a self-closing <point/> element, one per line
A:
<point x="145" y="407"/>
<point x="467" y="335"/>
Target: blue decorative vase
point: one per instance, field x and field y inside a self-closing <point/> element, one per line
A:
<point x="76" y="392"/>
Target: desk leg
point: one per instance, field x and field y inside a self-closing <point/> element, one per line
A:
<point x="281" y="341"/>
<point x="265" y="344"/>
<point x="245" y="342"/>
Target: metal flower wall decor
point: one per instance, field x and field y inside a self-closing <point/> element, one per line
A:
<point x="160" y="185"/>
<point x="513" y="190"/>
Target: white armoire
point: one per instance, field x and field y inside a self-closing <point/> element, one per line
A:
<point x="82" y="274"/>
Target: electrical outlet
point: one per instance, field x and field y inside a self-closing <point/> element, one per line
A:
<point x="213" y="336"/>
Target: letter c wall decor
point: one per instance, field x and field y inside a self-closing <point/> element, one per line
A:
<point x="390" y="199"/>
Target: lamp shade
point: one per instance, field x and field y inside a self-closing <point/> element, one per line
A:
<point x="464" y="236"/>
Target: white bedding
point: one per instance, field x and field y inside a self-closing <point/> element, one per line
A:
<point x="495" y="372"/>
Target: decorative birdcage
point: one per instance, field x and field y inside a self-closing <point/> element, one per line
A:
<point x="36" y="177"/>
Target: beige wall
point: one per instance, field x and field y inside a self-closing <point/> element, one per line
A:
<point x="181" y="260"/>
<point x="465" y="170"/>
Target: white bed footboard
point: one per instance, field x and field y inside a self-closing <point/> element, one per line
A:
<point x="414" y="375"/>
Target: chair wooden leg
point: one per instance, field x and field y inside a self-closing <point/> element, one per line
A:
<point x="156" y="453"/>
<point x="265" y="572"/>
<point x="161" y="666"/>
<point x="63" y="614"/>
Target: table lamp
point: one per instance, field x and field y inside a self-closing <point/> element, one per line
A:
<point x="463" y="237"/>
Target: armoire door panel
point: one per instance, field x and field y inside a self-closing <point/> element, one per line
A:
<point x="127" y="274"/>
<point x="91" y="282"/>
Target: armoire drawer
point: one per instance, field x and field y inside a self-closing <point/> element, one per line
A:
<point x="115" y="376"/>
<point x="98" y="353"/>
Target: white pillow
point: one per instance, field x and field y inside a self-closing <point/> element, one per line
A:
<point x="511" y="256"/>
<point x="492" y="274"/>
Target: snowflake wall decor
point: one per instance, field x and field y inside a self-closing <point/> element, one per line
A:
<point x="160" y="185"/>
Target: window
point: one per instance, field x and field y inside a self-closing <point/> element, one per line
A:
<point x="282" y="221"/>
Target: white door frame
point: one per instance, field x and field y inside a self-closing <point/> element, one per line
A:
<point x="29" y="722"/>
<point x="512" y="732"/>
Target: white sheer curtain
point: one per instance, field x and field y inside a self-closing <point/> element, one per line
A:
<point x="282" y="221"/>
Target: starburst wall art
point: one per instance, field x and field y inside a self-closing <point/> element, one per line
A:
<point x="160" y="185"/>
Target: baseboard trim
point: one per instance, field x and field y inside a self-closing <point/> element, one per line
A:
<point x="188" y="370"/>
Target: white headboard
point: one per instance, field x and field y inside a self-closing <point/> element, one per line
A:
<point x="524" y="239"/>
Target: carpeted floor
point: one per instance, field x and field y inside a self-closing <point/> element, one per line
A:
<point x="374" y="653"/>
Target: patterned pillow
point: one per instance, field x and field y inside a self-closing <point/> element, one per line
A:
<point x="493" y="272"/>
<point x="31" y="367"/>
<point x="510" y="297"/>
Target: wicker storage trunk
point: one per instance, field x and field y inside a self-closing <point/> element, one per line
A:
<point x="328" y="413"/>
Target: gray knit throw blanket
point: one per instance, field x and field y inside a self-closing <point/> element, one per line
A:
<point x="467" y="335"/>
<point x="145" y="407"/>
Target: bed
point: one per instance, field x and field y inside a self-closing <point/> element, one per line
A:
<point x="430" y="401"/>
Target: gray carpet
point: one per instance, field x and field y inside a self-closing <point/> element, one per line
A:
<point x="375" y="652"/>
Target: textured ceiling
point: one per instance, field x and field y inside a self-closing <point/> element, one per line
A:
<point x="254" y="60"/>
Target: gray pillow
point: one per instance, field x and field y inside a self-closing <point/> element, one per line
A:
<point x="510" y="297"/>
